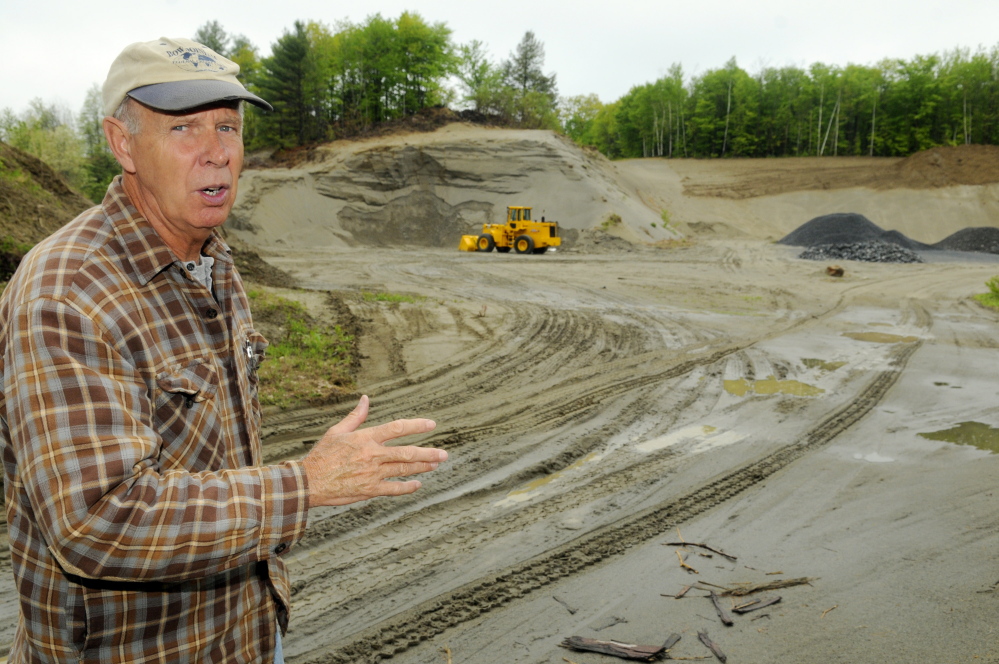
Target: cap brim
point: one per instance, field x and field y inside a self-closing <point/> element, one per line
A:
<point x="182" y="95"/>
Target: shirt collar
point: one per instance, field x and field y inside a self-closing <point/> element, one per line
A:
<point x="144" y="248"/>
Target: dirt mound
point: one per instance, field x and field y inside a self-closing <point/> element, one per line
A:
<point x="845" y="228"/>
<point x="983" y="239"/>
<point x="950" y="166"/>
<point x="36" y="200"/>
<point x="424" y="121"/>
<point x="929" y="169"/>
<point x="430" y="188"/>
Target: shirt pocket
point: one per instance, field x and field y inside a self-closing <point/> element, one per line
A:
<point x="188" y="417"/>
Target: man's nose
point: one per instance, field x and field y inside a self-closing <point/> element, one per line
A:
<point x="214" y="151"/>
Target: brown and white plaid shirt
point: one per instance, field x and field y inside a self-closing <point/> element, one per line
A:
<point x="143" y="527"/>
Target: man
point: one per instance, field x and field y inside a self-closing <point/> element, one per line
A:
<point x="143" y="526"/>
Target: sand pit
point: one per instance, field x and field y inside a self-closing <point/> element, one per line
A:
<point x="600" y="403"/>
<point x="598" y="400"/>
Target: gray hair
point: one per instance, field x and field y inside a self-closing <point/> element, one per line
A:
<point x="127" y="115"/>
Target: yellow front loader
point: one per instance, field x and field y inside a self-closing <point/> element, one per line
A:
<point x="520" y="233"/>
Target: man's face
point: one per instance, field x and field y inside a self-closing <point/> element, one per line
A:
<point x="187" y="166"/>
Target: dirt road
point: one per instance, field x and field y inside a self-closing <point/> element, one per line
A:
<point x="593" y="405"/>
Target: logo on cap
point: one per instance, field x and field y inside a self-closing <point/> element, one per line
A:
<point x="195" y="59"/>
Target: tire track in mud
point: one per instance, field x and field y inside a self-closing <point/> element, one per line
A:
<point x="436" y="615"/>
<point x="429" y="531"/>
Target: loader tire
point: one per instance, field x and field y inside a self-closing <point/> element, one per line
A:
<point x="523" y="244"/>
<point x="485" y="242"/>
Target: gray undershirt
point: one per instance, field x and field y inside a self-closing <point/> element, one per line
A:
<point x="202" y="270"/>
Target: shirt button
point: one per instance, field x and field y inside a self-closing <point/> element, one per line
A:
<point x="281" y="548"/>
<point x="211" y="314"/>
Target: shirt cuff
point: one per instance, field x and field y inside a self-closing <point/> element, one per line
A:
<point x="285" y="497"/>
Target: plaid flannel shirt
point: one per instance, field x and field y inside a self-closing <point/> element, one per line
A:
<point x="143" y="527"/>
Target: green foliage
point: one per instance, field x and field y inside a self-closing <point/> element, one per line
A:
<point x="47" y="132"/>
<point x="990" y="299"/>
<point x="893" y="108"/>
<point x="391" y="297"/>
<point x="611" y="221"/>
<point x="323" y="82"/>
<point x="100" y="166"/>
<point x="309" y="363"/>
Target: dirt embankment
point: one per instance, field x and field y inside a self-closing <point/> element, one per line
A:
<point x="34" y="199"/>
<point x="930" y="169"/>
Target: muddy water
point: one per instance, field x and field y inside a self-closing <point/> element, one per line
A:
<point x="976" y="434"/>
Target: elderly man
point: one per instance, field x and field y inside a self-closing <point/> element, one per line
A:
<point x="143" y="525"/>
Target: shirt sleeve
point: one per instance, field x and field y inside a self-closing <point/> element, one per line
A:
<point x="82" y="428"/>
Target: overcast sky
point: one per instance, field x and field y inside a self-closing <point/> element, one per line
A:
<point x="56" y="49"/>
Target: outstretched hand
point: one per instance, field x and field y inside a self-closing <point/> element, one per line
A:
<point x="349" y="464"/>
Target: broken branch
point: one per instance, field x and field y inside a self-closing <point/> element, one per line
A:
<point x="749" y="589"/>
<point x="614" y="648"/>
<point x="756" y="605"/>
<point x="703" y="546"/>
<point x="725" y="618"/>
<point x="683" y="564"/>
<point x="712" y="646"/>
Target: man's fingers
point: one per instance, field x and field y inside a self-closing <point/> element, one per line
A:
<point x="399" y="428"/>
<point x="398" y="488"/>
<point x="354" y="418"/>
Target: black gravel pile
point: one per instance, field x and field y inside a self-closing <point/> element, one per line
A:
<point x="869" y="252"/>
<point x="846" y="228"/>
<point x="982" y="239"/>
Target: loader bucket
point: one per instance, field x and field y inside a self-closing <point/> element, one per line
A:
<point x="468" y="243"/>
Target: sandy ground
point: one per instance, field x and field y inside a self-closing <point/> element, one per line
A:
<point x="600" y="405"/>
<point x="596" y="405"/>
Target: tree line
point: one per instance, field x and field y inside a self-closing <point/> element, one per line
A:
<point x="327" y="82"/>
<point x="893" y="108"/>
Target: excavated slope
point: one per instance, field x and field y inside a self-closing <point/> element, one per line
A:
<point x="429" y="189"/>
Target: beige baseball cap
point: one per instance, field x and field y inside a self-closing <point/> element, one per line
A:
<point x="173" y="75"/>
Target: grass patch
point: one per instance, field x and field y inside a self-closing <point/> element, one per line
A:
<point x="990" y="299"/>
<point x="308" y="363"/>
<point x="391" y="297"/>
<point x="611" y="221"/>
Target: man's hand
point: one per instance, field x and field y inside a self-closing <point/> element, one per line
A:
<point x="348" y="465"/>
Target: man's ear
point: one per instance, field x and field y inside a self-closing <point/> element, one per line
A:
<point x="120" y="142"/>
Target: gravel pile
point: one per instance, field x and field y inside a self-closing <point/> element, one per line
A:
<point x="869" y="252"/>
<point x="844" y="228"/>
<point x="982" y="239"/>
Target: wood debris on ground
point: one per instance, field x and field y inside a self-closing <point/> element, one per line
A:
<point x="725" y="618"/>
<point x="615" y="648"/>
<point x="712" y="646"/>
<point x="750" y="588"/>
<point x="756" y="605"/>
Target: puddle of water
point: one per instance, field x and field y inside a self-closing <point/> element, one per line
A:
<point x="976" y="434"/>
<point x="670" y="439"/>
<point x="815" y="363"/>
<point x="771" y="385"/>
<point x="873" y="457"/>
<point x="881" y="337"/>
<point x="528" y="490"/>
<point x="704" y="438"/>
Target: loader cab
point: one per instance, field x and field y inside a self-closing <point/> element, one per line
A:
<point x="515" y="214"/>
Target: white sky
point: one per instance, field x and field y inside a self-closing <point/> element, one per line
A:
<point x="56" y="49"/>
